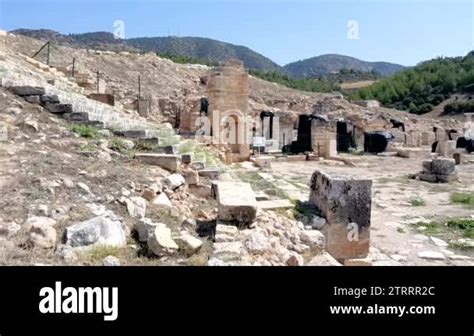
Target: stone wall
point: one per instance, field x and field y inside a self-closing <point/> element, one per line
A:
<point x="228" y="91"/>
<point x="346" y="203"/>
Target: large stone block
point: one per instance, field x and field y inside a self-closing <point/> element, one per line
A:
<point x="28" y="90"/>
<point x="443" y="166"/>
<point x="236" y="201"/>
<point x="166" y="161"/>
<point x="58" y="108"/>
<point x="346" y="204"/>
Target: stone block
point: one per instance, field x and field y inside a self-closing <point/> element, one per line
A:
<point x="346" y="204"/>
<point x="187" y="158"/>
<point x="235" y="202"/>
<point x="58" y="108"/>
<point x="210" y="172"/>
<point x="414" y="153"/>
<point x="264" y="161"/>
<point x="443" y="166"/>
<point x="191" y="177"/>
<point x="166" y="161"/>
<point x="428" y="178"/>
<point x="28" y="90"/>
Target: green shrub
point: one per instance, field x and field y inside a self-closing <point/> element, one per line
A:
<point x="85" y="131"/>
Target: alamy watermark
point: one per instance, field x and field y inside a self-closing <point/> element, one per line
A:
<point x="119" y="29"/>
<point x="3" y="132"/>
<point x="353" y="30"/>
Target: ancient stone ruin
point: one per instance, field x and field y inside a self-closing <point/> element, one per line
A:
<point x="346" y="204"/>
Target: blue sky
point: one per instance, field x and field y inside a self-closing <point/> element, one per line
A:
<point x="404" y="32"/>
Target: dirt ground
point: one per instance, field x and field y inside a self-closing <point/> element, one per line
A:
<point x="395" y="237"/>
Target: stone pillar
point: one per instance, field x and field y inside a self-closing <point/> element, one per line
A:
<point x="228" y="87"/>
<point x="427" y="138"/>
<point x="346" y="203"/>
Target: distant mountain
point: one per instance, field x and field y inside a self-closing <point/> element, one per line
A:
<point x="333" y="63"/>
<point x="204" y="48"/>
<point x="193" y="47"/>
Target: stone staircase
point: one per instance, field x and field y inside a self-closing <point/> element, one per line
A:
<point x="41" y="84"/>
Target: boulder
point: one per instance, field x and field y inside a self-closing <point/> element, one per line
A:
<point x="42" y="235"/>
<point x="161" y="242"/>
<point x="235" y="202"/>
<point x="38" y="220"/>
<point x="101" y="230"/>
<point x="174" y="181"/>
<point x="169" y="162"/>
<point x="145" y="228"/>
<point x="136" y="207"/>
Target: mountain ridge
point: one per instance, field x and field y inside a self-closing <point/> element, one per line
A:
<point x="215" y="51"/>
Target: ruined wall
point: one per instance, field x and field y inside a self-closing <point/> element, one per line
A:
<point x="228" y="94"/>
<point x="344" y="201"/>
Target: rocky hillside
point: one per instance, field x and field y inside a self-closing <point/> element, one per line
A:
<point x="332" y="63"/>
<point x="193" y="47"/>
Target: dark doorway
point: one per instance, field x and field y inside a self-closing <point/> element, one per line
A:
<point x="263" y="115"/>
<point x="376" y="142"/>
<point x="303" y="142"/>
<point x="345" y="136"/>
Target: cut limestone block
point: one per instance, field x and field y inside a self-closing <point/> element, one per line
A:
<point x="167" y="161"/>
<point x="264" y="161"/>
<point x="235" y="202"/>
<point x="346" y="204"/>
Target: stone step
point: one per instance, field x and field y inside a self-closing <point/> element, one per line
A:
<point x="28" y="90"/>
<point x="275" y="204"/>
<point x="166" y="161"/>
<point x="77" y="116"/>
<point x="58" y="108"/>
<point x="235" y="201"/>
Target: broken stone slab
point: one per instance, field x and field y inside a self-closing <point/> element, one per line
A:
<point x="161" y="242"/>
<point x="211" y="173"/>
<point x="162" y="201"/>
<point x="174" y="181"/>
<point x="28" y="90"/>
<point x="58" y="108"/>
<point x="225" y="233"/>
<point x="275" y="204"/>
<point x="346" y="204"/>
<point x="438" y="242"/>
<point x="140" y="134"/>
<point x="235" y="202"/>
<point x="169" y="162"/>
<point x="431" y="255"/>
<point x="100" y="230"/>
<point x="188" y="243"/>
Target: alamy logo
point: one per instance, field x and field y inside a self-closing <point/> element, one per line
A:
<point x="70" y="300"/>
